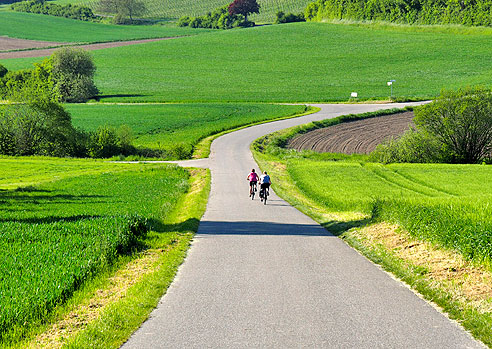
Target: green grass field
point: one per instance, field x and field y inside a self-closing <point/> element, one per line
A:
<point x="294" y="62"/>
<point x="57" y="29"/>
<point x="167" y="126"/>
<point x="173" y="9"/>
<point x="56" y="235"/>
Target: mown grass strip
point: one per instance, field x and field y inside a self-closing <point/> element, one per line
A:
<point x="120" y="319"/>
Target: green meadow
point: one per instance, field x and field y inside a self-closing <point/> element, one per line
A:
<point x="294" y="62"/>
<point x="58" y="29"/>
<point x="72" y="228"/>
<point x="165" y="126"/>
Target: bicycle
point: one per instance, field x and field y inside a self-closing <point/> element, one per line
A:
<point x="264" y="192"/>
<point x="253" y="189"/>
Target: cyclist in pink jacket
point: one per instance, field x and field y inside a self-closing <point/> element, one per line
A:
<point x="253" y="179"/>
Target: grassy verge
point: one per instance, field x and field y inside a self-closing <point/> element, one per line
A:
<point x="441" y="209"/>
<point x="112" y="305"/>
<point x="56" y="236"/>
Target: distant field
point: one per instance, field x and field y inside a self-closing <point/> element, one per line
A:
<point x="166" y="126"/>
<point x="56" y="235"/>
<point x="57" y="29"/>
<point x="174" y="9"/>
<point x="295" y="62"/>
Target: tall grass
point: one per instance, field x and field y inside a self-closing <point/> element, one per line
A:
<point x="449" y="205"/>
<point x="56" y="235"/>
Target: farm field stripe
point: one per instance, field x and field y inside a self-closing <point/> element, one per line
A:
<point x="43" y="52"/>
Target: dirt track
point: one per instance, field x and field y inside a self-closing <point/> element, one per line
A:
<point x="11" y="44"/>
<point x="354" y="137"/>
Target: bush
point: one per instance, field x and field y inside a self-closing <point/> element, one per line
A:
<point x="73" y="74"/>
<point x="456" y="128"/>
<point x="289" y="18"/>
<point x="36" y="128"/>
<point x="3" y="71"/>
<point x="218" y="19"/>
<point x="184" y="21"/>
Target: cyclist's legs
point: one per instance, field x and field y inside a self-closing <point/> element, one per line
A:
<point x="252" y="184"/>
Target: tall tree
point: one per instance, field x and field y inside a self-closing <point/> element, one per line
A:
<point x="244" y="7"/>
<point x="123" y="8"/>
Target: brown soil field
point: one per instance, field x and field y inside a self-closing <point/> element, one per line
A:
<point x="9" y="44"/>
<point x="361" y="136"/>
<point x="35" y="48"/>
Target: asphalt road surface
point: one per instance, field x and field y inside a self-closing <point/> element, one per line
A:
<point x="267" y="276"/>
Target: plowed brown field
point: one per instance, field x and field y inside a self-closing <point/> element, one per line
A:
<point x="35" y="48"/>
<point x="360" y="136"/>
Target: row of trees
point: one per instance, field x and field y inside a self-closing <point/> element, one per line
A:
<point x="454" y="128"/>
<point x="476" y="13"/>
<point x="82" y="13"/>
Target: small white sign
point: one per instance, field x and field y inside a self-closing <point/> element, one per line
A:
<point x="353" y="95"/>
<point x="390" y="83"/>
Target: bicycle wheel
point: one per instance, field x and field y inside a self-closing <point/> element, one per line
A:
<point x="253" y="193"/>
<point x="265" y="195"/>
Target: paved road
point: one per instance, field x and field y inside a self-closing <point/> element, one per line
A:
<point x="269" y="277"/>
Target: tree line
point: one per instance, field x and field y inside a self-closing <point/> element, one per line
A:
<point x="33" y="121"/>
<point x="471" y="13"/>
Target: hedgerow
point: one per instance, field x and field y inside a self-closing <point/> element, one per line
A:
<point x="218" y="19"/>
<point x="472" y="13"/>
<point x="82" y="13"/>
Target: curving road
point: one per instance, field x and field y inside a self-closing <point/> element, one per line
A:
<point x="270" y="277"/>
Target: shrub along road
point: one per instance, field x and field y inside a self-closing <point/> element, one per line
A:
<point x="269" y="276"/>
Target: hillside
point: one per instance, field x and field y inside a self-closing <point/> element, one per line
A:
<point x="173" y="9"/>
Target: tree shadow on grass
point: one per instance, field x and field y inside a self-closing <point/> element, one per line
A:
<point x="330" y="228"/>
<point x="337" y="228"/>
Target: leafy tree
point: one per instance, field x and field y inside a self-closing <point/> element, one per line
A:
<point x="462" y="122"/>
<point x="36" y="128"/>
<point x="123" y="8"/>
<point x="456" y="127"/>
<point x="244" y="7"/>
<point x="72" y="71"/>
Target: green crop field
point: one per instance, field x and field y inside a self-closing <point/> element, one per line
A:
<point x="173" y="9"/>
<point x="165" y="126"/>
<point x="53" y="236"/>
<point x="57" y="29"/>
<point x="447" y="204"/>
<point x="294" y="62"/>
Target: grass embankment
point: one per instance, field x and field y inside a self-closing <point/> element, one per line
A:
<point x="49" y="28"/>
<point x="175" y="129"/>
<point x="57" y="235"/>
<point x="294" y="62"/>
<point x="437" y="207"/>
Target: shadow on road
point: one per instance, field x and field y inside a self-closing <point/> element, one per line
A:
<point x="261" y="228"/>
